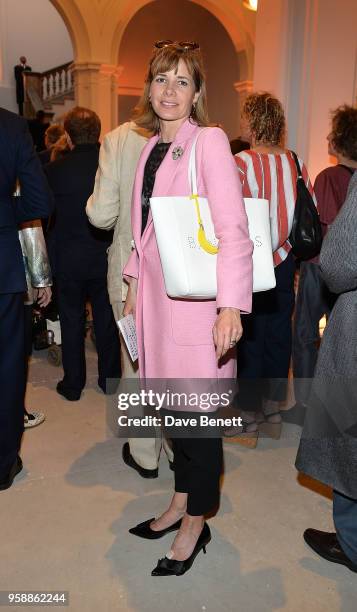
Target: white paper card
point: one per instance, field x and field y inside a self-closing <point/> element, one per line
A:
<point x="128" y="331"/>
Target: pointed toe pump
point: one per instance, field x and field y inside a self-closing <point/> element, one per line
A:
<point x="143" y="530"/>
<point x="172" y="567"/>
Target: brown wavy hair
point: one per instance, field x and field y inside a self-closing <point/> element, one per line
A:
<point x="266" y="119"/>
<point x="60" y="148"/>
<point x="163" y="60"/>
<point x="344" y="131"/>
<point x="53" y="133"/>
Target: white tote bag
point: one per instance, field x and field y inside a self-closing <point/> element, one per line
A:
<point x="188" y="246"/>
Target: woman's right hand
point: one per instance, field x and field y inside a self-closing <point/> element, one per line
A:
<point x="130" y="302"/>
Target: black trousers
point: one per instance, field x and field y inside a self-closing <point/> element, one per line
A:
<point x="12" y="378"/>
<point x="28" y="310"/>
<point x="264" y="350"/>
<point x="72" y="295"/>
<point x="314" y="300"/>
<point x="198" y="467"/>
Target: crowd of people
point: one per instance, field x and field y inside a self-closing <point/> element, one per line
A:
<point x="102" y="247"/>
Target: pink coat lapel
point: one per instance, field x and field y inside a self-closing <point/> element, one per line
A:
<point x="138" y="186"/>
<point x="166" y="173"/>
<point x="164" y="177"/>
<point x="168" y="169"/>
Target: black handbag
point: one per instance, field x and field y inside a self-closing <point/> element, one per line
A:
<point x="306" y="233"/>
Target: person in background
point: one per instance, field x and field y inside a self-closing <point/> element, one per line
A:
<point x="60" y="149"/>
<point x="314" y="300"/>
<point x="80" y="258"/>
<point x="39" y="281"/>
<point x="52" y="135"/>
<point x="267" y="170"/>
<point x="328" y="446"/>
<point x="38" y="127"/>
<point x="17" y="162"/>
<point x="19" y="69"/>
<point x="109" y="207"/>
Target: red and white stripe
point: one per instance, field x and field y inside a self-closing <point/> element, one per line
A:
<point x="270" y="176"/>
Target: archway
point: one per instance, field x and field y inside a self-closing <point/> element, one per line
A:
<point x="237" y="21"/>
<point x="97" y="29"/>
<point x="75" y="22"/>
<point x="178" y="20"/>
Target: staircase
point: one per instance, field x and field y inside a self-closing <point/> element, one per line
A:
<point x="51" y="91"/>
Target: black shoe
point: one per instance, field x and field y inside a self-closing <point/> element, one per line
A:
<point x="130" y="461"/>
<point x="6" y="482"/>
<point x="327" y="546"/>
<point x="143" y="530"/>
<point x="172" y="567"/>
<point x="70" y="394"/>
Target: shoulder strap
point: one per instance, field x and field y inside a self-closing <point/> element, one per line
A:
<point x="262" y="171"/>
<point x="192" y="173"/>
<point x="295" y="157"/>
<point x="350" y="170"/>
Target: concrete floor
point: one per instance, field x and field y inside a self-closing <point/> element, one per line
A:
<point x="64" y="523"/>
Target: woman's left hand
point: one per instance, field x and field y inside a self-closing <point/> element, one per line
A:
<point x="227" y="330"/>
<point x="44" y="296"/>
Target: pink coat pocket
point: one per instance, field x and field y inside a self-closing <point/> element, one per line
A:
<point x="192" y="321"/>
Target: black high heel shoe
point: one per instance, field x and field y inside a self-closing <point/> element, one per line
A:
<point x="172" y="567"/>
<point x="143" y="530"/>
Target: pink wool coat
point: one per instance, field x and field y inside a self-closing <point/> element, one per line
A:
<point x="175" y="336"/>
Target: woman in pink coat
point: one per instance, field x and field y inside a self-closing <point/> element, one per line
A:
<point x="186" y="339"/>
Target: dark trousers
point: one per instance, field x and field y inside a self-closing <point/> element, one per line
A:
<point x="72" y="295"/>
<point x="345" y="519"/>
<point x="198" y="467"/>
<point x="264" y="350"/>
<point x="313" y="301"/>
<point x="28" y="310"/>
<point x="12" y="378"/>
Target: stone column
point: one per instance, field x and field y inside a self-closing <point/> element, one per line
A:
<point x="243" y="88"/>
<point x="96" y="88"/>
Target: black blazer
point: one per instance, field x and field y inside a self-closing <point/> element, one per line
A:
<point x="18" y="160"/>
<point x="18" y="70"/>
<point x="45" y="156"/>
<point x="78" y="250"/>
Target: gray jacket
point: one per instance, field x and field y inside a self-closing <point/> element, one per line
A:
<point x="328" y="447"/>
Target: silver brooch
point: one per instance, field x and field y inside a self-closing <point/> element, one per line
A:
<point x="177" y="153"/>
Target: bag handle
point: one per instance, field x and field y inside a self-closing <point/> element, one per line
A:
<point x="262" y="169"/>
<point x="350" y="170"/>
<point x="192" y="177"/>
<point x="192" y="172"/>
<point x="297" y="164"/>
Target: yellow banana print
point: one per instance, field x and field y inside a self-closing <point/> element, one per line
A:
<point x="202" y="240"/>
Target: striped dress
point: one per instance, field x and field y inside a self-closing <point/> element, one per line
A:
<point x="272" y="176"/>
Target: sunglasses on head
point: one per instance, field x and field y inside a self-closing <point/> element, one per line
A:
<point x="185" y="45"/>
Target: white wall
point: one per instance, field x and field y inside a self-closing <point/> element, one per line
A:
<point x="35" y="29"/>
<point x="306" y="55"/>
